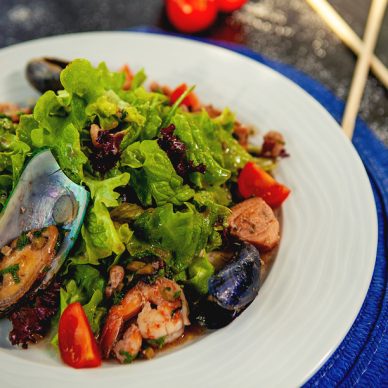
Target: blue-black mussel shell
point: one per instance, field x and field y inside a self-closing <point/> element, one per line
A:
<point x="231" y="289"/>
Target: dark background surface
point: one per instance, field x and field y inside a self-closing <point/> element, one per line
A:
<point x="285" y="30"/>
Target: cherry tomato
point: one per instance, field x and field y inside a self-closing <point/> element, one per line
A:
<point x="230" y="5"/>
<point x="77" y="344"/>
<point x="191" y="100"/>
<point x="253" y="181"/>
<point x="191" y="15"/>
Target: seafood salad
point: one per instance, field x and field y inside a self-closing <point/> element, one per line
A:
<point x="133" y="217"/>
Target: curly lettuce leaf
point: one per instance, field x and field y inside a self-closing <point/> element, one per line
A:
<point x="138" y="79"/>
<point x="199" y="273"/>
<point x="100" y="235"/>
<point x="197" y="131"/>
<point x="234" y="155"/>
<point x="103" y="190"/>
<point x="13" y="153"/>
<point x="153" y="176"/>
<point x="26" y="124"/>
<point x="184" y="233"/>
<point x="150" y="106"/>
<point x="85" y="81"/>
<point x="87" y="287"/>
<point x="57" y="130"/>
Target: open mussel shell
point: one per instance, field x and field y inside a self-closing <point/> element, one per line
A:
<point x="44" y="73"/>
<point x="231" y="289"/>
<point x="44" y="199"/>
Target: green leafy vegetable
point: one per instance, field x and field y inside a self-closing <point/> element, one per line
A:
<point x="184" y="233"/>
<point x="197" y="131"/>
<point x="100" y="235"/>
<point x="199" y="273"/>
<point x="153" y="176"/>
<point x="138" y="79"/>
<point x="102" y="191"/>
<point x="126" y="212"/>
<point x="87" y="287"/>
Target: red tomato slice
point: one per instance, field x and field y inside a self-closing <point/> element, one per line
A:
<point x="191" y="15"/>
<point x="253" y="181"/>
<point x="230" y="5"/>
<point x="77" y="344"/>
<point x="191" y="100"/>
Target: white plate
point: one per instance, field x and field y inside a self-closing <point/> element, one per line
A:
<point x="327" y="252"/>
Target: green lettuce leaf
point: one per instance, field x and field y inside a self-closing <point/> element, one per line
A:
<point x="199" y="273"/>
<point x="234" y="155"/>
<point x="197" y="131"/>
<point x="103" y="190"/>
<point x="100" y="235"/>
<point x="89" y="83"/>
<point x="58" y="132"/>
<point x="13" y="153"/>
<point x="153" y="176"/>
<point x="138" y="80"/>
<point x="151" y="107"/>
<point x="184" y="233"/>
<point x="87" y="287"/>
<point x="26" y="124"/>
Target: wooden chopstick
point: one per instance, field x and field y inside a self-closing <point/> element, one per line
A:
<point x="361" y="71"/>
<point x="338" y="25"/>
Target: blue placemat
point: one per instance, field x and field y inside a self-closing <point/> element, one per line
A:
<point x="362" y="357"/>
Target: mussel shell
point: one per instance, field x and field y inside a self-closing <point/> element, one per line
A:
<point x="44" y="73"/>
<point x="44" y="196"/>
<point x="238" y="283"/>
<point x="210" y="315"/>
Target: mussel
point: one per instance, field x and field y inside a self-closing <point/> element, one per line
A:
<point x="231" y="289"/>
<point x="38" y="227"/>
<point x="43" y="73"/>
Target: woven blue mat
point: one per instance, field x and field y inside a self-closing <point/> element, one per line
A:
<point x="362" y="357"/>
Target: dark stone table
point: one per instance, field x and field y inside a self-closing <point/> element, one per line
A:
<point x="285" y="30"/>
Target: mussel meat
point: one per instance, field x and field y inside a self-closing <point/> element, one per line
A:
<point x="43" y="73"/>
<point x="231" y="289"/>
<point x="38" y="227"/>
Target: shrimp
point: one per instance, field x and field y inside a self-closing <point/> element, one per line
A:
<point x="166" y="321"/>
<point x="129" y="346"/>
<point x="116" y="276"/>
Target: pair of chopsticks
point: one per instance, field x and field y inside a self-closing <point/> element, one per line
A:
<point x="364" y="49"/>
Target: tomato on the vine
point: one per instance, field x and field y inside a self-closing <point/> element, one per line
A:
<point x="191" y="15"/>
<point x="230" y="5"/>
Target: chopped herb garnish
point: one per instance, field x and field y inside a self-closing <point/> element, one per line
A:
<point x="117" y="297"/>
<point x="13" y="270"/>
<point x="37" y="233"/>
<point x="177" y="294"/>
<point x="22" y="241"/>
<point x="128" y="358"/>
<point x="158" y="342"/>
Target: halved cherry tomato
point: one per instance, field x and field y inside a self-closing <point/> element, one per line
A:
<point x="128" y="77"/>
<point x="77" y="344"/>
<point x="230" y="5"/>
<point x="191" y="15"/>
<point x="253" y="181"/>
<point x="191" y="100"/>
